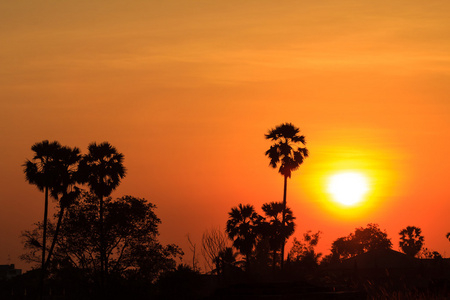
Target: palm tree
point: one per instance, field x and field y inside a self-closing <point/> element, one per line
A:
<point x="287" y="151"/>
<point x="41" y="171"/>
<point x="66" y="162"/>
<point x="273" y="228"/>
<point x="102" y="169"/>
<point x="242" y="229"/>
<point x="411" y="240"/>
<point x="225" y="261"/>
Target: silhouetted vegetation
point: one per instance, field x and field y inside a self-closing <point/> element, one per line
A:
<point x="411" y="240"/>
<point x="359" y="242"/>
<point x="272" y="228"/>
<point x="131" y="231"/>
<point x="214" y="245"/>
<point x="102" y="169"/>
<point x="288" y="153"/>
<point x="105" y="248"/>
<point x="242" y="228"/>
<point x="52" y="170"/>
<point x="302" y="255"/>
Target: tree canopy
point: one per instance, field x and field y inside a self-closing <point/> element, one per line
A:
<point x="361" y="241"/>
<point x="132" y="245"/>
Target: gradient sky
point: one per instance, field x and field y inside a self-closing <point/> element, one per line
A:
<point x="186" y="91"/>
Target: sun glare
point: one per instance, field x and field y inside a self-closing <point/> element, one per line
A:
<point x="348" y="188"/>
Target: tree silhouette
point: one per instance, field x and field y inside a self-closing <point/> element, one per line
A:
<point x="273" y="229"/>
<point x="302" y="252"/>
<point x="102" y="169"/>
<point x="363" y="240"/>
<point x="448" y="236"/>
<point x="66" y="162"/>
<point x="225" y="261"/>
<point x="287" y="151"/>
<point x="214" y="242"/>
<point x="242" y="229"/>
<point x="411" y="240"/>
<point x="131" y="227"/>
<point x="42" y="172"/>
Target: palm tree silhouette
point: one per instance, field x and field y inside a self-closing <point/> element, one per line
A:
<point x="42" y="172"/>
<point x="273" y="228"/>
<point x="66" y="162"/>
<point x="411" y="240"/>
<point x="288" y="153"/>
<point x="242" y="229"/>
<point x="225" y="260"/>
<point x="102" y="169"/>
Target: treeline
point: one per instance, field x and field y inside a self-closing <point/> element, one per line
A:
<point x="98" y="243"/>
<point x="102" y="247"/>
<point x="256" y="238"/>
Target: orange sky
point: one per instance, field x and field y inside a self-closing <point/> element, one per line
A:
<point x="186" y="91"/>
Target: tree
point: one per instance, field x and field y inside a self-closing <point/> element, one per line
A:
<point x="273" y="229"/>
<point x="302" y="251"/>
<point x="363" y="240"/>
<point x="411" y="240"/>
<point x="225" y="261"/>
<point x="242" y="229"/>
<point x="41" y="171"/>
<point x="66" y="163"/>
<point x="287" y="151"/>
<point x="428" y="254"/>
<point x="448" y="236"/>
<point x="214" y="242"/>
<point x="132" y="245"/>
<point x="102" y="169"/>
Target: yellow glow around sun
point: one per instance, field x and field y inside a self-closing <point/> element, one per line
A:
<point x="348" y="188"/>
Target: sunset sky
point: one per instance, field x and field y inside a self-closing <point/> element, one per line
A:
<point x="186" y="91"/>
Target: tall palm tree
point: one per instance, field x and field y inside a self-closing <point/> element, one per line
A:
<point x="287" y="152"/>
<point x="66" y="161"/>
<point x="41" y="171"/>
<point x="273" y="228"/>
<point x="242" y="229"/>
<point x="102" y="169"/>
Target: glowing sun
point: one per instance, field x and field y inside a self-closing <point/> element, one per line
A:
<point x="348" y="188"/>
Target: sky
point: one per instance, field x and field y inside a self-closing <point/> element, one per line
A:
<point x="186" y="91"/>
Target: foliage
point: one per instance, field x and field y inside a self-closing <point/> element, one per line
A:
<point x="272" y="227"/>
<point x="214" y="242"/>
<point x="428" y="254"/>
<point x="302" y="251"/>
<point x="42" y="170"/>
<point x="53" y="170"/>
<point x="102" y="168"/>
<point x="225" y="261"/>
<point x="242" y="228"/>
<point x="361" y="241"/>
<point x="411" y="240"/>
<point x="131" y="227"/>
<point x="285" y="151"/>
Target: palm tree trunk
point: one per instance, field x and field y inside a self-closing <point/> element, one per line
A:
<point x="274" y="259"/>
<point x="247" y="262"/>
<point x="283" y="222"/>
<point x="102" y="247"/>
<point x="44" y="239"/>
<point x="55" y="236"/>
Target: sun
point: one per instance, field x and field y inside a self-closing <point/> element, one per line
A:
<point x="348" y="188"/>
